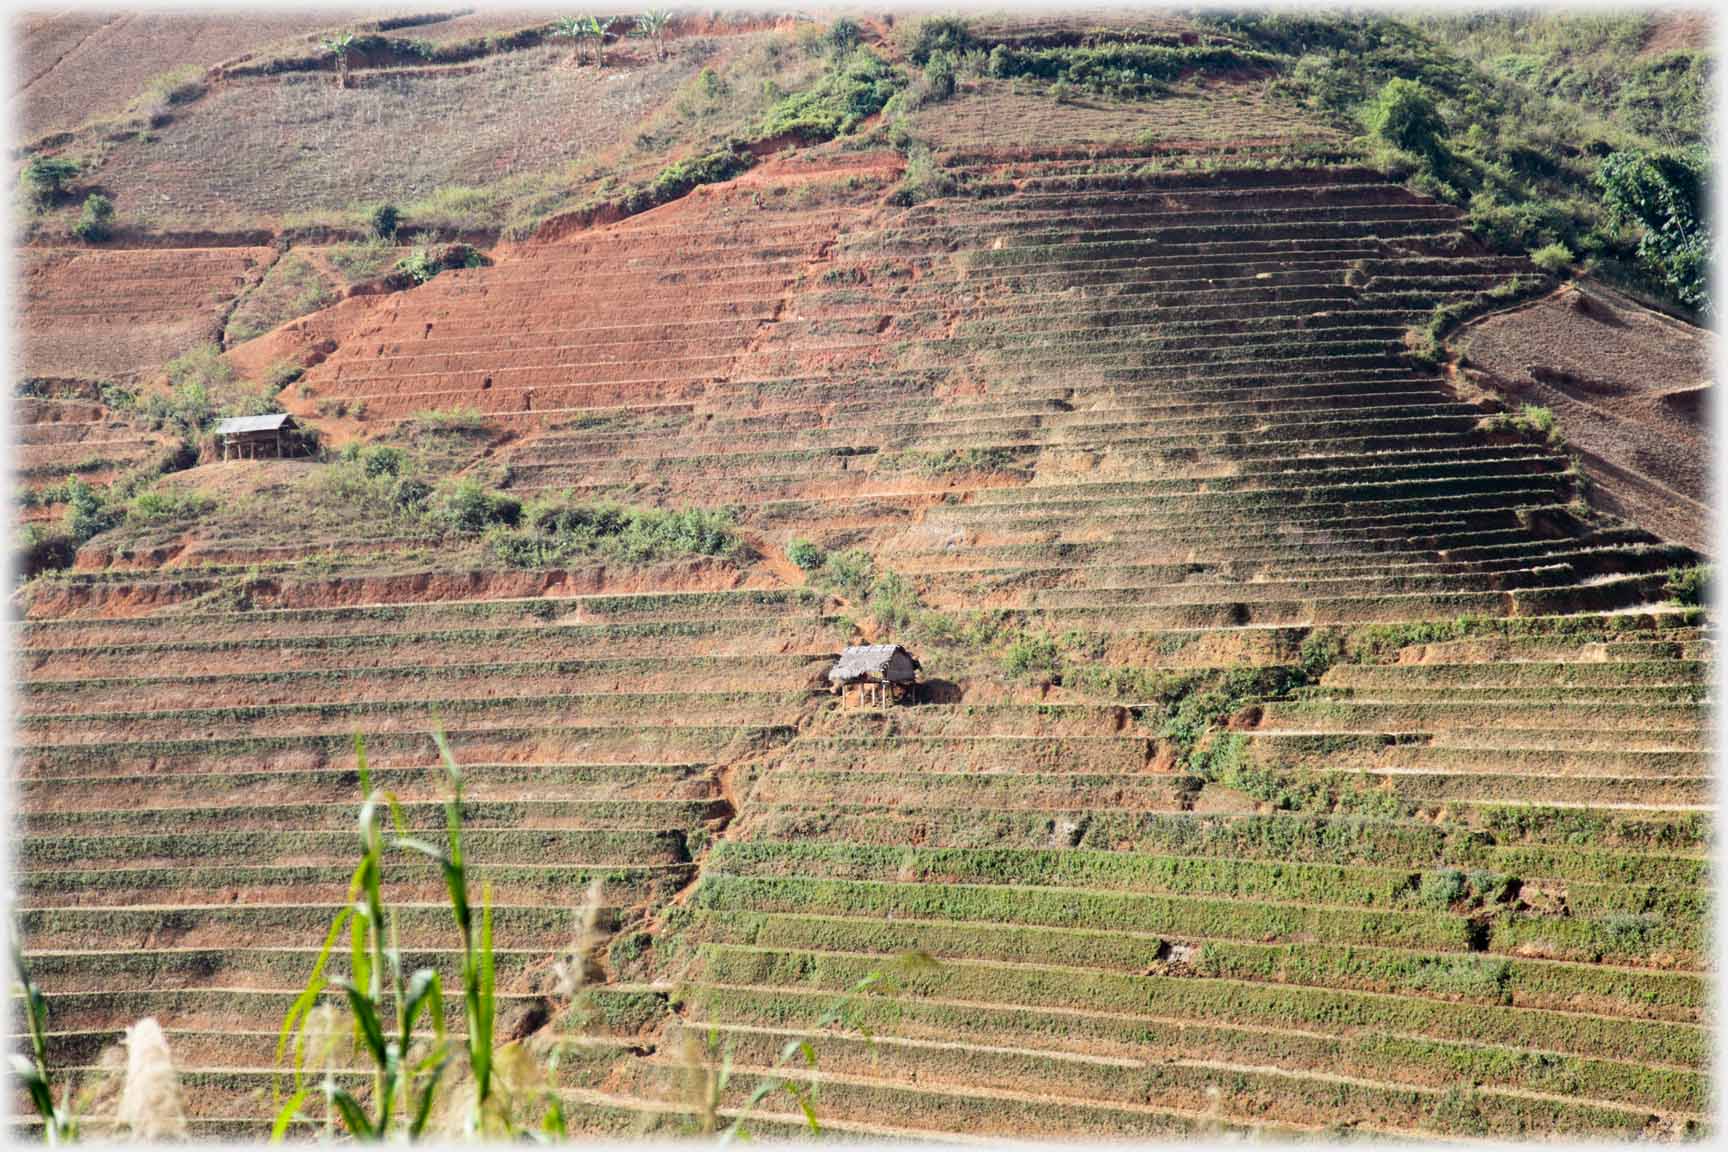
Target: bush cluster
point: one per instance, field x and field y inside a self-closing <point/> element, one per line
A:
<point x="1123" y="69"/>
<point x="556" y="531"/>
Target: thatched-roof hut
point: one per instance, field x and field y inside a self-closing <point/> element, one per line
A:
<point x="875" y="673"/>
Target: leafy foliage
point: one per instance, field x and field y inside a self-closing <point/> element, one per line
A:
<point x="1519" y="153"/>
<point x="1662" y="195"/>
<point x="87" y="513"/>
<point x="382" y="221"/>
<point x="469" y="508"/>
<point x="45" y="179"/>
<point x="424" y="261"/>
<point x="855" y="87"/>
<point x="1123" y="68"/>
<point x="166" y="506"/>
<point x="807" y="556"/>
<point x="96" y="220"/>
<point x="555" y="531"/>
<point x="1531" y="422"/>
<point x="1404" y="115"/>
<point x="1552" y="258"/>
<point x="940" y="35"/>
<point x="1689" y="586"/>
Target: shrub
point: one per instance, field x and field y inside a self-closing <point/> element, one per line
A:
<point x="1120" y="68"/>
<point x="424" y="261"/>
<point x="45" y="179"/>
<point x="940" y="35"/>
<point x="849" y="572"/>
<point x="384" y="460"/>
<point x="1688" y="586"/>
<point x="201" y="365"/>
<point x="675" y="180"/>
<point x="554" y="531"/>
<point x="470" y="508"/>
<point x="1552" y="258"/>
<point x="420" y="265"/>
<point x="1404" y="115"/>
<point x="282" y="373"/>
<point x="855" y="88"/>
<point x="1442" y="889"/>
<point x="923" y="179"/>
<point x="156" y="506"/>
<point x="939" y="81"/>
<point x="87" y="513"/>
<point x="362" y="260"/>
<point x="462" y="418"/>
<point x="383" y="221"/>
<point x="1532" y="422"/>
<point x="1662" y="195"/>
<point x="1033" y="652"/>
<point x="843" y="35"/>
<point x="186" y="408"/>
<point x="892" y="601"/>
<point x="96" y="221"/>
<point x="807" y="556"/>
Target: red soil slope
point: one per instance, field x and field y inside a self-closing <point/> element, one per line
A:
<point x="121" y="314"/>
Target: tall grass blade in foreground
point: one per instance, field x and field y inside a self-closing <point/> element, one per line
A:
<point x="59" y="1125"/>
<point x="385" y="1005"/>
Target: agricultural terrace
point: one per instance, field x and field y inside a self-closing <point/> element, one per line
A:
<point x="1302" y="750"/>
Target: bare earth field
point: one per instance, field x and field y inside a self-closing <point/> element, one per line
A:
<point x="77" y="64"/>
<point x="397" y="135"/>
<point x="1630" y="388"/>
<point x="1001" y="114"/>
<point x="119" y="315"/>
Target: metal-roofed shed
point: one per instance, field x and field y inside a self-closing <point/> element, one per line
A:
<point x="254" y="437"/>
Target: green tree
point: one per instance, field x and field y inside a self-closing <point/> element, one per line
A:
<point x="45" y="179"/>
<point x="96" y="221"/>
<point x="384" y="220"/>
<point x="940" y="34"/>
<point x="1662" y="195"/>
<point x="939" y="81"/>
<point x="1404" y="115"/>
<point x="87" y="513"/>
<point x="844" y="35"/>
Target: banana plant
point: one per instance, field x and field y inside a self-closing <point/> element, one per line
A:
<point x="339" y="47"/>
<point x="597" y="30"/>
<point x="571" y="28"/>
<point x="652" y="26"/>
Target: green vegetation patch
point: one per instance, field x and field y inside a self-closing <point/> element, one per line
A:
<point x="555" y="531"/>
<point x="293" y="287"/>
<point x="1124" y="69"/>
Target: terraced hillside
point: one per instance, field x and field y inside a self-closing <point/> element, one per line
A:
<point x="1297" y="756"/>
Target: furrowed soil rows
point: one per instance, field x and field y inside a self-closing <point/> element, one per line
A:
<point x="1128" y="417"/>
